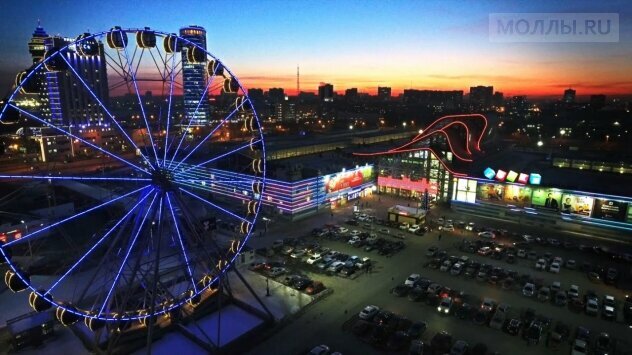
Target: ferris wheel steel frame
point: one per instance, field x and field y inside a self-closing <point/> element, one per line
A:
<point x="166" y="210"/>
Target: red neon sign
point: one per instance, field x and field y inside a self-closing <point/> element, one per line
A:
<point x="407" y="184"/>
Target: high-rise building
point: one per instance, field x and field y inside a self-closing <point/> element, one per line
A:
<point x="69" y="100"/>
<point x="384" y="93"/>
<point x="276" y="95"/>
<point x="37" y="49"/>
<point x="326" y="92"/>
<point x="498" y="99"/>
<point x="447" y="99"/>
<point x="351" y="93"/>
<point x="481" y="97"/>
<point x="518" y="107"/>
<point x="194" y="79"/>
<point x="597" y="102"/>
<point x="569" y="96"/>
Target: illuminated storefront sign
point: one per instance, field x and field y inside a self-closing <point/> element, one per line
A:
<point x="512" y="176"/>
<point x="406" y="184"/>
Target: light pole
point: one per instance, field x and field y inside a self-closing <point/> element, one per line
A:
<point x="26" y="228"/>
<point x="267" y="287"/>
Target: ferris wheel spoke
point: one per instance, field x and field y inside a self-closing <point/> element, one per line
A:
<point x="207" y="136"/>
<point x="217" y="207"/>
<point x="184" y="253"/>
<point x="156" y="63"/>
<point x="129" y="251"/>
<point x="42" y="121"/>
<point x="140" y="100"/>
<point x="89" y="251"/>
<point x="197" y="108"/>
<point x="119" y="64"/>
<point x="242" y="147"/>
<point x="74" y="178"/>
<point x="109" y="202"/>
<point x="166" y="144"/>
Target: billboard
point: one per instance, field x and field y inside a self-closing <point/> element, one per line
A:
<point x="347" y="179"/>
<point x="517" y="194"/>
<point x="576" y="204"/>
<point x="610" y="209"/>
<point x="548" y="198"/>
<point x="490" y="192"/>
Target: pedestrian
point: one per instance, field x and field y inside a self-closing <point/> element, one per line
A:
<point x="439" y="237"/>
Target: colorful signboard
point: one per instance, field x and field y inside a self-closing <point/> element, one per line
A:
<point x="490" y="192"/>
<point x="576" y="204"/>
<point x="548" y="198"/>
<point x="347" y="179"/>
<point x="609" y="209"/>
<point x="512" y="176"/>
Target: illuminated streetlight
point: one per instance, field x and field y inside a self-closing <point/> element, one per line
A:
<point x="421" y="131"/>
<point x="540" y="143"/>
<point x="350" y="126"/>
<point x="562" y="132"/>
<point x="404" y="124"/>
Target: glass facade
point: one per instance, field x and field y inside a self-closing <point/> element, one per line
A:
<point x="194" y="80"/>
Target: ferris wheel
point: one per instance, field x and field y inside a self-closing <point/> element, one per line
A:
<point x="158" y="151"/>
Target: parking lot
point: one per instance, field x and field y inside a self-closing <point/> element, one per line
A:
<point x="331" y="320"/>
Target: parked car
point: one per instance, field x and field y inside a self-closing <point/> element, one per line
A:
<point x="592" y="305"/>
<point x="488" y="304"/>
<point x="319" y="350"/>
<point x="603" y="344"/>
<point x="555" y="267"/>
<point x="487" y="235"/>
<point x="514" y="326"/>
<point x="571" y="264"/>
<point x="416" y="330"/>
<point x="410" y="281"/>
<point x="314" y="259"/>
<point x="573" y="291"/>
<point x="540" y="264"/>
<point x="400" y="290"/>
<point x="533" y="334"/>
<point x="368" y="312"/>
<point x="460" y="347"/>
<point x="498" y="320"/>
<point x="561" y="298"/>
<point x="528" y="290"/>
<point x="457" y="269"/>
<point x="432" y="251"/>
<point x="609" y="310"/>
<point x="276" y="271"/>
<point x="315" y="288"/>
<point x="544" y="293"/>
<point x="413" y="228"/>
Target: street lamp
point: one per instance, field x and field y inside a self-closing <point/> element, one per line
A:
<point x="404" y="124"/>
<point x="26" y="229"/>
<point x="540" y="143"/>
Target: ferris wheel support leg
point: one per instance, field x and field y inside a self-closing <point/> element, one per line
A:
<point x="243" y="280"/>
<point x="152" y="318"/>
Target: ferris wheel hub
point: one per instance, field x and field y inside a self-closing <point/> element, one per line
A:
<point x="162" y="179"/>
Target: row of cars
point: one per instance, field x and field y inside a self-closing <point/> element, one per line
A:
<point x="489" y="312"/>
<point x="386" y="330"/>
<point x="279" y="271"/>
<point x="368" y="241"/>
<point x="529" y="286"/>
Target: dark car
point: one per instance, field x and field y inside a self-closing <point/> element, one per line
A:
<point x="347" y="271"/>
<point x="416" y="294"/>
<point x="379" y="335"/>
<point x="397" y="341"/>
<point x="603" y="344"/>
<point x="302" y="283"/>
<point x="400" y="290"/>
<point x="441" y="342"/>
<point x="416" y="330"/>
<point x="383" y="317"/>
<point x="513" y="326"/>
<point x="627" y="310"/>
<point x="533" y="334"/>
<point x="559" y="335"/>
<point x="361" y="327"/>
<point x="465" y="311"/>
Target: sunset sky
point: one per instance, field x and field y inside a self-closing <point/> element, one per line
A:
<point x="363" y="44"/>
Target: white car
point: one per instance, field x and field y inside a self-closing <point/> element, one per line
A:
<point x="580" y="347"/>
<point x="487" y="235"/>
<point x="368" y="312"/>
<point x="470" y="226"/>
<point x="355" y="232"/>
<point x="571" y="264"/>
<point x="456" y="269"/>
<point x="528" y="290"/>
<point x="540" y="264"/>
<point x="410" y="281"/>
<point x="448" y="228"/>
<point x="342" y="230"/>
<point x="528" y="238"/>
<point x="354" y="240"/>
<point x="413" y="228"/>
<point x="314" y="259"/>
<point x="573" y="292"/>
<point x="592" y="306"/>
<point x="298" y="253"/>
<point x="404" y="226"/>
<point x="384" y="230"/>
<point x="554" y="268"/>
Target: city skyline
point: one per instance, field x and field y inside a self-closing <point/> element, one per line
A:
<point x="436" y="46"/>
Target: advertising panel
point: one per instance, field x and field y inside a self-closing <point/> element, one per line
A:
<point x="548" y="198"/>
<point x="576" y="204"/>
<point x="518" y="194"/>
<point x="490" y="192"/>
<point x="347" y="179"/>
<point x="610" y="209"/>
<point x="407" y="184"/>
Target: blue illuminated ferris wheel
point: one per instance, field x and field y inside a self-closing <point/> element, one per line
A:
<point x="141" y="133"/>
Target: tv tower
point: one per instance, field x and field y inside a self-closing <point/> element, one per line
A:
<point x="298" y="81"/>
